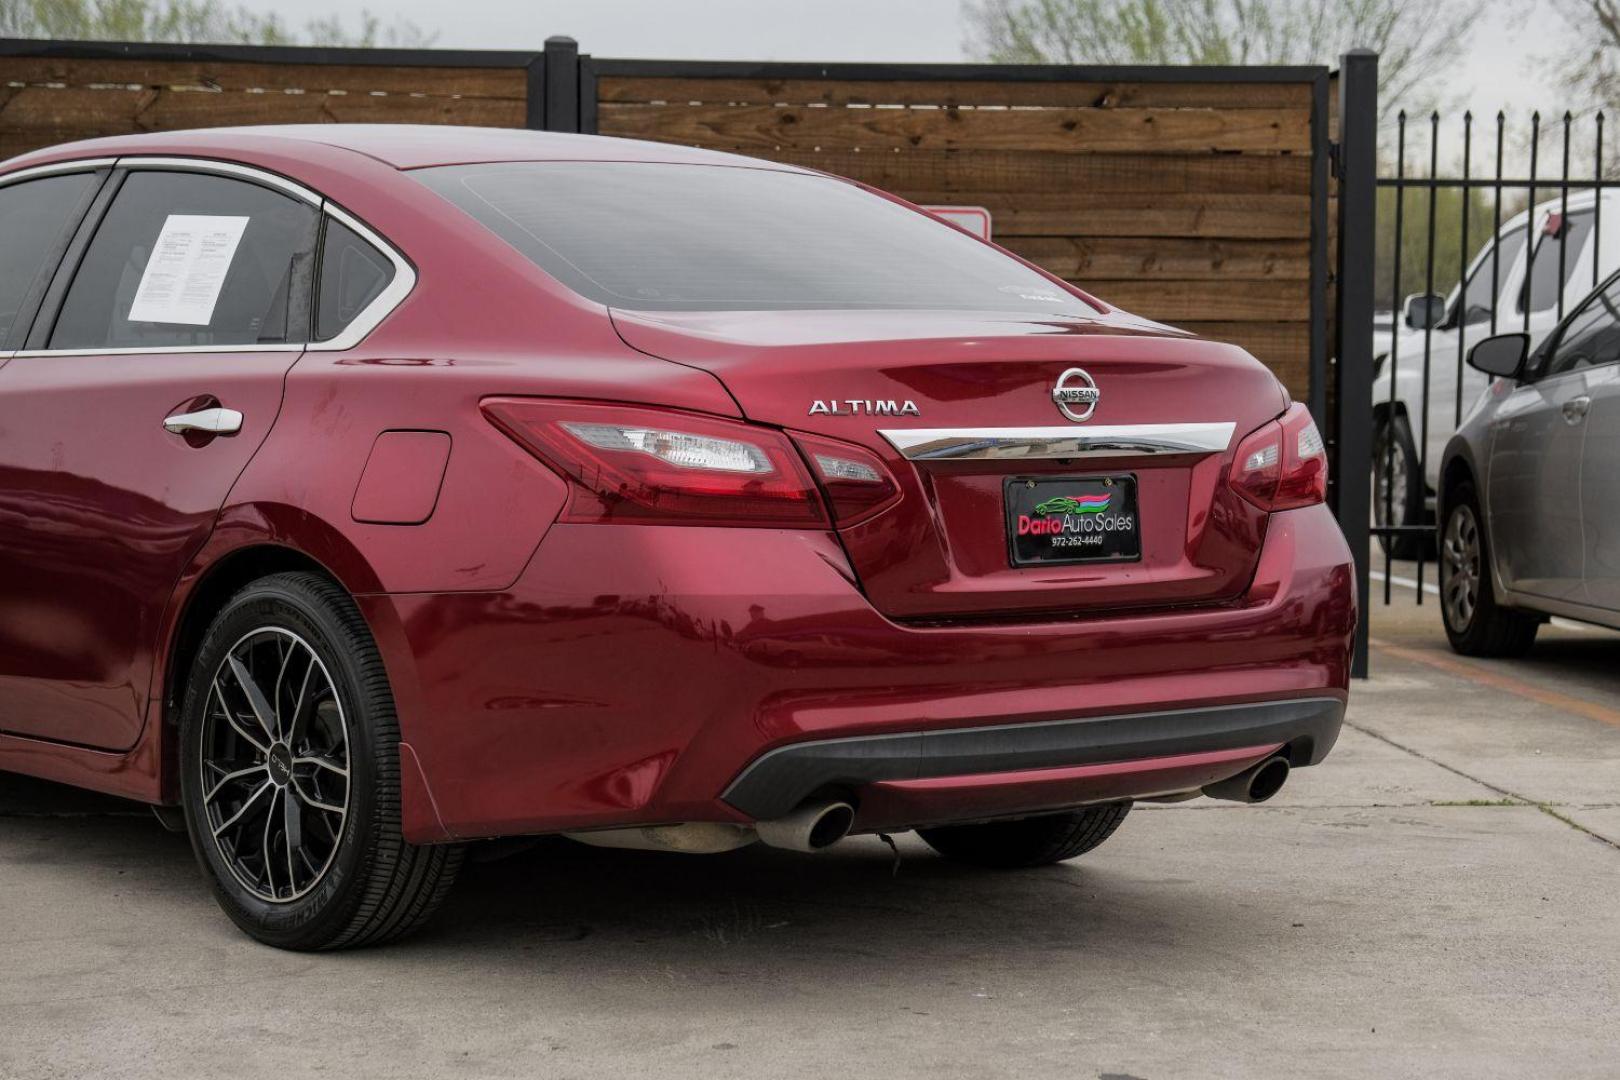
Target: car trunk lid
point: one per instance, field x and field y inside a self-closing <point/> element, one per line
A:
<point x="960" y="407"/>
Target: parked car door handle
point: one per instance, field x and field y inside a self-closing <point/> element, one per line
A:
<point x="216" y="421"/>
<point x="1575" y="409"/>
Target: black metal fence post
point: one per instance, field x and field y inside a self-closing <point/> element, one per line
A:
<point x="561" y="102"/>
<point x="587" y="94"/>
<point x="534" y="113"/>
<point x="1320" y="181"/>
<point x="1358" y="208"/>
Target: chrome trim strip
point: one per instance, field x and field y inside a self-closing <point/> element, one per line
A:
<point x="172" y="350"/>
<point x="228" y="168"/>
<point x="1033" y="443"/>
<point x="77" y="165"/>
<point x="367" y="321"/>
<point x="386" y="301"/>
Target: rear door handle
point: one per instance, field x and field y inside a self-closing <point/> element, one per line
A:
<point x="1575" y="409"/>
<point x="216" y="421"/>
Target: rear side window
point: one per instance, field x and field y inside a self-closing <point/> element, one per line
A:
<point x="191" y="259"/>
<point x="1554" y="258"/>
<point x="353" y="274"/>
<point x="1592" y="336"/>
<point x="35" y="217"/>
<point x="655" y="236"/>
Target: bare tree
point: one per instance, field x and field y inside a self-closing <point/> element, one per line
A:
<point x="1415" y="41"/>
<point x="1592" y="67"/>
<point x="191" y="21"/>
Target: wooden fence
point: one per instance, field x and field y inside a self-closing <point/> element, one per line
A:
<point x="1196" y="196"/>
<point x="53" y="92"/>
<point x="1182" y="195"/>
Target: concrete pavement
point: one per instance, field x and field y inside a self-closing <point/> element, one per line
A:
<point x="1438" y="899"/>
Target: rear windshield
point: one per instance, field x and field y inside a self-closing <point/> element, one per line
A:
<point x="709" y="238"/>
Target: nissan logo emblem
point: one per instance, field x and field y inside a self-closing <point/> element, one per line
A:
<point x="1076" y="394"/>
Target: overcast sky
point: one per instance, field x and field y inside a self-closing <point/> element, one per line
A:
<point x="1507" y="66"/>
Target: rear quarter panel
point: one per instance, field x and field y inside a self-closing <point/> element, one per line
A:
<point x="481" y="321"/>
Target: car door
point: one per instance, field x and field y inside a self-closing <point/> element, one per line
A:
<point x="1487" y="300"/>
<point x="1534" y="294"/>
<point x="1536" y="455"/>
<point x="1600" y="484"/>
<point x="1494" y="282"/>
<point x="1488" y="297"/>
<point x="151" y="374"/>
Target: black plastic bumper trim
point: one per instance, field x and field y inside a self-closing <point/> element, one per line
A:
<point x="776" y="782"/>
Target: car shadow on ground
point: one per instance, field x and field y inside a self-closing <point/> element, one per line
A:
<point x="841" y="913"/>
<point x="1589" y="654"/>
<point x="839" y="910"/>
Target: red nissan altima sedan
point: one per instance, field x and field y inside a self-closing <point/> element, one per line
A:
<point x="365" y="491"/>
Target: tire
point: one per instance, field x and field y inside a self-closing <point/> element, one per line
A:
<point x="1036" y="841"/>
<point x="1395" y="465"/>
<point x="297" y="823"/>
<point x="1476" y="625"/>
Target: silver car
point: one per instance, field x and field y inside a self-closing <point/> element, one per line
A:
<point x="1576" y="244"/>
<point x="1530" y="485"/>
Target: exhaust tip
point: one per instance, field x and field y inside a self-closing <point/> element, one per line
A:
<point x="1268" y="779"/>
<point x="832" y="826"/>
<point x="809" y="828"/>
<point x="1255" y="784"/>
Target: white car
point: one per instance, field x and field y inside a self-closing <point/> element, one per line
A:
<point x="1404" y="478"/>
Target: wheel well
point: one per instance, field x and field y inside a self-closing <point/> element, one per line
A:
<point x="1380" y="411"/>
<point x="1456" y="472"/>
<point x="222" y="581"/>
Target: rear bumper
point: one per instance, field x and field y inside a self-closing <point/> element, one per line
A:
<point x="638" y="674"/>
<point x="893" y="805"/>
<point x="780" y="780"/>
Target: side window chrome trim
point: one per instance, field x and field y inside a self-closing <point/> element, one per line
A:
<point x="223" y="168"/>
<point x="386" y="301"/>
<point x="357" y="330"/>
<point x="56" y="168"/>
<point x="276" y="346"/>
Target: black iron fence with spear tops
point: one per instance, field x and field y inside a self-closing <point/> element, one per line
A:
<point x="1544" y="250"/>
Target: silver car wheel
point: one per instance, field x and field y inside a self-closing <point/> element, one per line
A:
<point x="1389" y="480"/>
<point x="275" y="765"/>
<point x="1461" y="559"/>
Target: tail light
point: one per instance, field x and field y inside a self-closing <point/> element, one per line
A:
<point x="661" y="466"/>
<point x="857" y="483"/>
<point x="1283" y="464"/>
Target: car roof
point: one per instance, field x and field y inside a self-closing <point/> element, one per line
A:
<point x="413" y="146"/>
<point x="1580" y="199"/>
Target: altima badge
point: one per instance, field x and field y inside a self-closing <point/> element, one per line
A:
<point x="853" y="407"/>
<point x="1076" y="394"/>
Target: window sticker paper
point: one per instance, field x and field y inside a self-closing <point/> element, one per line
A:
<point x="187" y="269"/>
